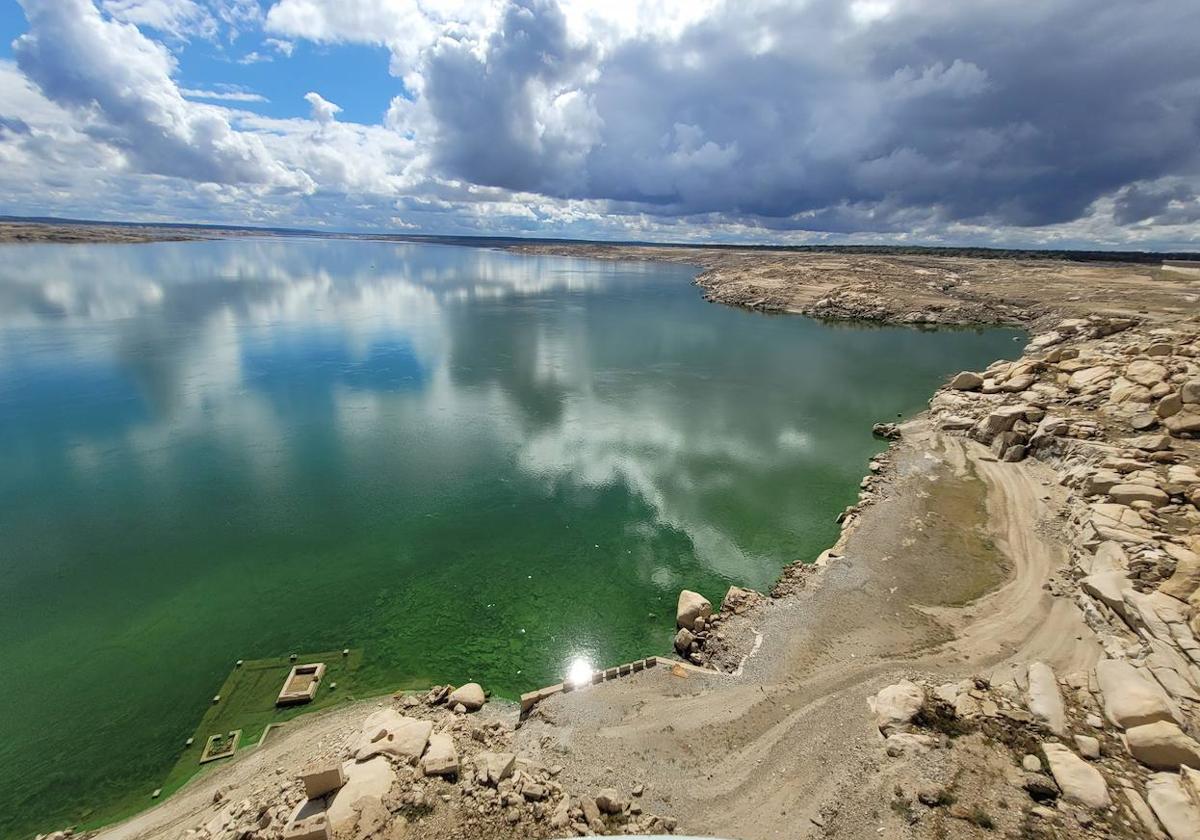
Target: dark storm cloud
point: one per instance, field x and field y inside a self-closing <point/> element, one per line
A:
<point x="485" y="109"/>
<point x="1161" y="203"/>
<point x="994" y="113"/>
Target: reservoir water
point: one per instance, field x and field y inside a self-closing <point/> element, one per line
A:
<point x="468" y="464"/>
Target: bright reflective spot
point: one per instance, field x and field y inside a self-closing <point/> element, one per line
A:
<point x="580" y="672"/>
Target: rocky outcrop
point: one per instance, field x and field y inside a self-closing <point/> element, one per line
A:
<point x="1163" y="745"/>
<point x="691" y="606"/>
<point x="387" y="732"/>
<point x="1178" y="812"/>
<point x="1079" y="781"/>
<point x="1045" y="700"/>
<point x="469" y="696"/>
<point x="441" y="758"/>
<point x="896" y="705"/>
<point x="1130" y="698"/>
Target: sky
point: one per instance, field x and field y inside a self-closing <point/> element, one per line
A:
<point x="1060" y="123"/>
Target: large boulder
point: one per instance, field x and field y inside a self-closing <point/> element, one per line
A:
<point x="896" y="705"/>
<point x="1100" y="482"/>
<point x="1187" y="420"/>
<point x="1190" y="392"/>
<point x="1002" y="420"/>
<point x="1168" y="406"/>
<point x="1130" y="697"/>
<point x="1186" y="579"/>
<point x="692" y="605"/>
<point x="966" y="381"/>
<point x="323" y="780"/>
<point x="1146" y="372"/>
<point x="388" y="732"/>
<point x="1089" y="377"/>
<point x="1127" y="494"/>
<point x="683" y="641"/>
<point x="471" y="696"/>
<point x="1124" y="391"/>
<point x="369" y="778"/>
<point x="441" y="758"/>
<point x="1045" y="700"/>
<point x="1163" y="746"/>
<point x="1079" y="781"/>
<point x="1175" y="809"/>
<point x="1109" y="588"/>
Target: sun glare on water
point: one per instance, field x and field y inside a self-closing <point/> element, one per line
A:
<point x="580" y="671"/>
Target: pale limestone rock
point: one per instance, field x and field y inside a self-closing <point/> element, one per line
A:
<point x="1186" y="578"/>
<point x="391" y="733"/>
<point x="1145" y="373"/>
<point x="683" y="641"/>
<point x="896" y="705"/>
<point x="1183" y="474"/>
<point x="692" y="605"/>
<point x="1109" y="588"/>
<point x="1088" y="746"/>
<point x="1100" y="482"/>
<point x="1080" y="782"/>
<point x="1144" y="814"/>
<point x="967" y="381"/>
<point x="1110" y="557"/>
<point x="1130" y="697"/>
<point x="495" y="767"/>
<point x="1045" y="700"/>
<point x="441" y="758"/>
<point x="1089" y="377"/>
<point x="739" y="599"/>
<point x="367" y="778"/>
<point x="1162" y="745"/>
<point x="611" y="802"/>
<point x="1168" y="406"/>
<point x="1176" y="811"/>
<point x="1175" y="685"/>
<point x="1187" y="420"/>
<point x="1190" y="392"/>
<point x="470" y="695"/>
<point x="1151" y="443"/>
<point x="1124" y="391"/>
<point x="1191" y="783"/>
<point x="309" y="821"/>
<point x="1003" y="419"/>
<point x="1127" y="494"/>
<point x="908" y="743"/>
<point x="321" y="781"/>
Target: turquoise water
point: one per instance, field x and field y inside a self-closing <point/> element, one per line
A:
<point x="470" y="464"/>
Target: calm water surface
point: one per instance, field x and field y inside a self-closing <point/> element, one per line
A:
<point x="471" y="465"/>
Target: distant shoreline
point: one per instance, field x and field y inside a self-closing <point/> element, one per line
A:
<point x="15" y="229"/>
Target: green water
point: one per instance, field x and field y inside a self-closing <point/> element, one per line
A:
<point x="469" y="464"/>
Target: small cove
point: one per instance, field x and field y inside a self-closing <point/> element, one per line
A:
<point x="468" y="464"/>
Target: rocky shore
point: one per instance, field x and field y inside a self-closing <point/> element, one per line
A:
<point x="1113" y="406"/>
<point x="1003" y="641"/>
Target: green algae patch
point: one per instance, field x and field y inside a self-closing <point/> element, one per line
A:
<point x="246" y="704"/>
